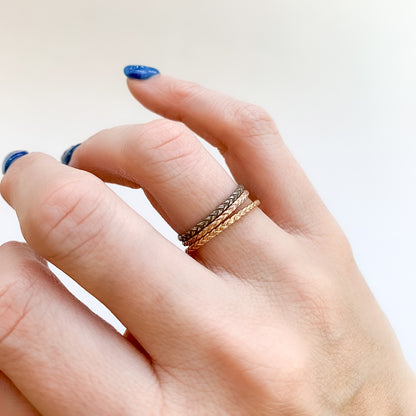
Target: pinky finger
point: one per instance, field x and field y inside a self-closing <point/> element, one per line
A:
<point x="64" y="359"/>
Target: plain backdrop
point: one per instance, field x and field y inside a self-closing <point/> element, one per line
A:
<point x="337" y="76"/>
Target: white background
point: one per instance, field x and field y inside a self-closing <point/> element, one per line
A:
<point x="338" y="77"/>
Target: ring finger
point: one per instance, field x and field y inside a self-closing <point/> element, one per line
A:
<point x="184" y="183"/>
<point x="56" y="352"/>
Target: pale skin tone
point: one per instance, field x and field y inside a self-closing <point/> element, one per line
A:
<point x="271" y="317"/>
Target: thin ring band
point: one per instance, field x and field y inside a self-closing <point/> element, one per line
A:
<point x="223" y="226"/>
<point x="213" y="215"/>
<point x="219" y="220"/>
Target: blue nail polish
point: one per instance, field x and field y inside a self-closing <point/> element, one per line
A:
<point x="11" y="157"/>
<point x="140" y="71"/>
<point x="67" y="155"/>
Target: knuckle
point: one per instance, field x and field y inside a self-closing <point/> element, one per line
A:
<point x="172" y="150"/>
<point x="335" y="250"/>
<point x="164" y="131"/>
<point x="182" y="91"/>
<point x="18" y="297"/>
<point x="318" y="308"/>
<point x="323" y="310"/>
<point x="12" y="310"/>
<point x="256" y="364"/>
<point x="67" y="216"/>
<point x="254" y="121"/>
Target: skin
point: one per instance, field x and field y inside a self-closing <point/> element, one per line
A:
<point x="271" y="317"/>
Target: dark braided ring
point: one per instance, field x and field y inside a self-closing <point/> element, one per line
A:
<point x="213" y="215"/>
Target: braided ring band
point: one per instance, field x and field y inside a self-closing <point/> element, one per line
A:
<point x="219" y="220"/>
<point x="223" y="226"/>
<point x="213" y="215"/>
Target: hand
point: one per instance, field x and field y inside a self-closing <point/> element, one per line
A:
<point x="271" y="317"/>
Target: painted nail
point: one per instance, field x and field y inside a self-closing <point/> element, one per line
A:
<point x="140" y="71"/>
<point x="11" y="157"/>
<point x="67" y="155"/>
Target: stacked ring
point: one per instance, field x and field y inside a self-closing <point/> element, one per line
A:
<point x="218" y="220"/>
<point x="213" y="215"/>
<point x="223" y="226"/>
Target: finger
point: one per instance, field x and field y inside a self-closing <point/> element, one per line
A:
<point x="250" y="143"/>
<point x="57" y="352"/>
<point x="75" y="221"/>
<point x="12" y="402"/>
<point x="184" y="183"/>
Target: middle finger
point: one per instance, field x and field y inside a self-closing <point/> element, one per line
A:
<point x="72" y="219"/>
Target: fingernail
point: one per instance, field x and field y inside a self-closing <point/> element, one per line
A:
<point x="67" y="155"/>
<point x="11" y="157"/>
<point x="140" y="71"/>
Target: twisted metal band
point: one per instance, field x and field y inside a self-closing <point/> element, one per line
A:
<point x="223" y="226"/>
<point x="213" y="215"/>
<point x="219" y="220"/>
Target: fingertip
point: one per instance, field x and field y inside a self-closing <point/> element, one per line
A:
<point x="23" y="178"/>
